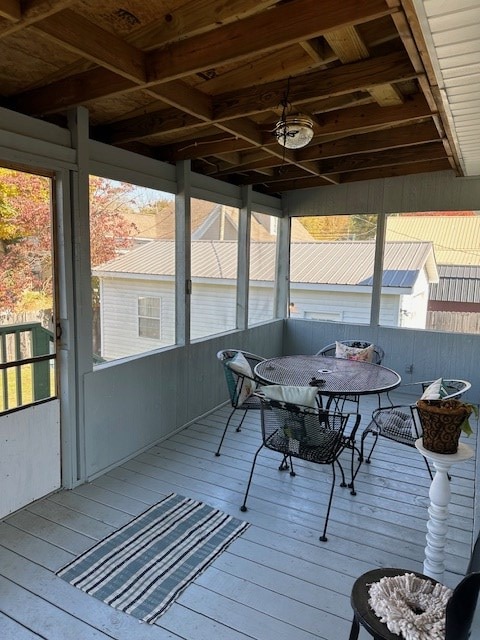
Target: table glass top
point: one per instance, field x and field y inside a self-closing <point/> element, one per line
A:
<point x="335" y="376"/>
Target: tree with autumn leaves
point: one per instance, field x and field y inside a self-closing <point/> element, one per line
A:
<point x="345" y="227"/>
<point x="26" y="235"/>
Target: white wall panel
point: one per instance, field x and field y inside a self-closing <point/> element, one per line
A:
<point x="440" y="191"/>
<point x="29" y="455"/>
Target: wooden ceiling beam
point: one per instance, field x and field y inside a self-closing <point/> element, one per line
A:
<point x="267" y="68"/>
<point x="84" y="38"/>
<point x="386" y="95"/>
<point x="355" y="176"/>
<point x="170" y="120"/>
<point x="197" y="148"/>
<point x="347" y="44"/>
<point x="397" y="170"/>
<point x="393" y="67"/>
<point x="391" y="138"/>
<point x="190" y="100"/>
<point x="280" y="26"/>
<point x="378" y="159"/>
<point x="264" y="163"/>
<point x="349" y="47"/>
<point x="379" y="140"/>
<point x="71" y="91"/>
<point x="317" y="50"/>
<point x="11" y="10"/>
<point x="194" y="18"/>
<point x="364" y="119"/>
<point x="88" y="40"/>
<point x="357" y="121"/>
<point x="337" y="80"/>
<point x="31" y="11"/>
<point x="430" y="152"/>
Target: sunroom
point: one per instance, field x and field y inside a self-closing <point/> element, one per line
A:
<point x="112" y="395"/>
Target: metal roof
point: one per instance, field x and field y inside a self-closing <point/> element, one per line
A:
<point x="340" y="263"/>
<point x="456" y="239"/>
<point x="458" y="283"/>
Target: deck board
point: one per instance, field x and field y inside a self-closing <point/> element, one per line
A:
<point x="275" y="582"/>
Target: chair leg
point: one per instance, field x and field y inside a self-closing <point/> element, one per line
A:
<point x="217" y="453"/>
<point x="239" y="428"/>
<point x="353" y="474"/>
<point x="292" y="471"/>
<point x="244" y="505"/>
<point x="343" y="482"/>
<point x="354" y="630"/>
<point x="364" y="435"/>
<point x="323" y="537"/>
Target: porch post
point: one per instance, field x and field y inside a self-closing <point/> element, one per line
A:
<point x="78" y="321"/>
<point x="282" y="268"/>
<point x="183" y="254"/>
<point x="378" y="269"/>
<point x="243" y="259"/>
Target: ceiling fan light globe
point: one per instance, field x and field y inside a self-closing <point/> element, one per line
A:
<point x="294" y="132"/>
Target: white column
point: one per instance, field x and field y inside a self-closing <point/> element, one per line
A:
<point x="437" y="525"/>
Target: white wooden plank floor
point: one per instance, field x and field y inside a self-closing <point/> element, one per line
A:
<point x="276" y="582"/>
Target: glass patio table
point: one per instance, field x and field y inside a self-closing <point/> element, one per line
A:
<point x="332" y="376"/>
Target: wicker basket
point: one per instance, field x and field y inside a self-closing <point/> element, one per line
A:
<point x="441" y="422"/>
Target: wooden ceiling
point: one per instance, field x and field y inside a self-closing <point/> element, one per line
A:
<point x="205" y="80"/>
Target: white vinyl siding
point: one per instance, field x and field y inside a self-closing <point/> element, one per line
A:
<point x="214" y="308"/>
<point x="260" y="303"/>
<point x="119" y="316"/>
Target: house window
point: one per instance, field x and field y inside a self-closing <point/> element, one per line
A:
<point x="323" y="315"/>
<point x="149" y="318"/>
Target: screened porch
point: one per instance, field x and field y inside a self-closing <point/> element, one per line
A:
<point x="276" y="581"/>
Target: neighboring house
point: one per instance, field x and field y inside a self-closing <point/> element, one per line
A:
<point x="209" y="222"/>
<point x="329" y="280"/>
<point x="455" y="300"/>
<point x="454" y="303"/>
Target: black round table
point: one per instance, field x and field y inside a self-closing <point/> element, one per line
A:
<point x="332" y="376"/>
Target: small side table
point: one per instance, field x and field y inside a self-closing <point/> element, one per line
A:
<point x="440" y="494"/>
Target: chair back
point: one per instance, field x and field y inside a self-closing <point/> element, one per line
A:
<point x="237" y="382"/>
<point x="455" y="388"/>
<point x="330" y="349"/>
<point x="303" y="432"/>
<point x="461" y="608"/>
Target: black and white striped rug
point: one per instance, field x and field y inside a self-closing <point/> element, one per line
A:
<point x="141" y="568"/>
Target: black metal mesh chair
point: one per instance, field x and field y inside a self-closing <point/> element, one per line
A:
<point x="314" y="435"/>
<point x="401" y="423"/>
<point x="330" y="349"/>
<point x="241" y="386"/>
